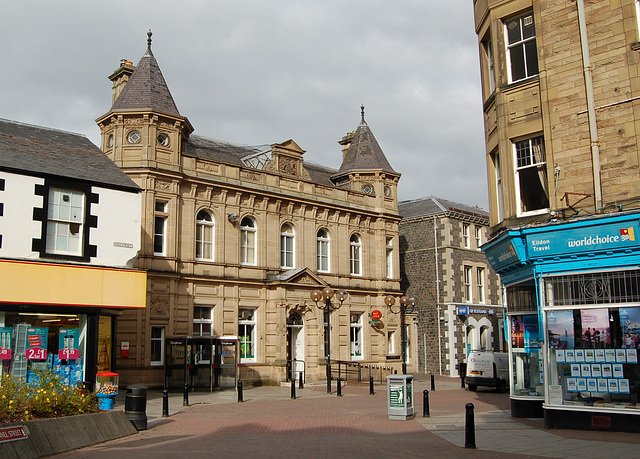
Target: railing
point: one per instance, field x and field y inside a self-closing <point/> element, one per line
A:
<point x="360" y="372"/>
<point x="291" y="372"/>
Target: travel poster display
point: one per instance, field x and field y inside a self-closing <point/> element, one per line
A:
<point x="630" y="323"/>
<point x="560" y="326"/>
<point x="517" y="332"/>
<point x="595" y="328"/>
<point x="531" y="334"/>
<point x="6" y="338"/>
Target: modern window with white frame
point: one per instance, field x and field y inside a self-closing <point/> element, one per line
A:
<point x="287" y="239"/>
<point x="65" y="221"/>
<point x="248" y="232"/>
<point x="202" y="321"/>
<point x="157" y="346"/>
<point x="247" y="334"/>
<point x="355" y="244"/>
<point x="499" y="203"/>
<point x="160" y="228"/>
<point x="488" y="49"/>
<point x="204" y="235"/>
<point x="522" y="51"/>
<point x="356" y="336"/>
<point x="467" y="284"/>
<point x="322" y="250"/>
<point x="478" y="232"/>
<point x="466" y="241"/>
<point x="532" y="192"/>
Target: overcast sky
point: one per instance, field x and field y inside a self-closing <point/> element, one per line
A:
<point x="259" y="72"/>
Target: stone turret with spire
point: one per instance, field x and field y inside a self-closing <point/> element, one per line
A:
<point x="365" y="168"/>
<point x="143" y="126"/>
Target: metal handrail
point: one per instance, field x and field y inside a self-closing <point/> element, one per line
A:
<point x="304" y="369"/>
<point x="356" y="371"/>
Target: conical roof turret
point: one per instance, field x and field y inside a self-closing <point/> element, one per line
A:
<point x="364" y="152"/>
<point x="146" y="89"/>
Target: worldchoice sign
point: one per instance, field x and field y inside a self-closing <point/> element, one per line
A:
<point x="574" y="240"/>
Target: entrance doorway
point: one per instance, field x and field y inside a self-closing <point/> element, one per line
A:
<point x="295" y="347"/>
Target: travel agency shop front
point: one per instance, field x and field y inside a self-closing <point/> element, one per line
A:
<point x="62" y="317"/>
<point x="573" y="306"/>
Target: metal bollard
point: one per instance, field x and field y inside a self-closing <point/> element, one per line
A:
<point x="293" y="389"/>
<point x="433" y="382"/>
<point x="425" y="404"/>
<point x="185" y="395"/>
<point x="339" y="388"/>
<point x="469" y="428"/>
<point x="165" y="403"/>
<point x="371" y="391"/>
<point x="463" y="373"/>
<point x="240" y="398"/>
<point x="301" y="386"/>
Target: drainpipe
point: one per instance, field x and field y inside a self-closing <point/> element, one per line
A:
<point x="588" y="82"/>
<point x="435" y="244"/>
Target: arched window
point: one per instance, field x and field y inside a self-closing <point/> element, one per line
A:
<point x="204" y="236"/>
<point x="247" y="241"/>
<point x="355" y="255"/>
<point x="322" y="251"/>
<point x="286" y="246"/>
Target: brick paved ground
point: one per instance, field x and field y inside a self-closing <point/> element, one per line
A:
<point x="314" y="425"/>
<point x="269" y="424"/>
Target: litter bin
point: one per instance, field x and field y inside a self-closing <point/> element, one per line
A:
<point x="135" y="406"/>
<point x="400" y="397"/>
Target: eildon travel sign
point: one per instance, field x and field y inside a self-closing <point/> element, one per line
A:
<point x="594" y="238"/>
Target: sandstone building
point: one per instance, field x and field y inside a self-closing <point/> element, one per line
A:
<point x="235" y="239"/>
<point x="561" y="100"/>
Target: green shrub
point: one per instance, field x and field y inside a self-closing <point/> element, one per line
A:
<point x="46" y="397"/>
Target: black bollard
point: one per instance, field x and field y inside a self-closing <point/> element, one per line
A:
<point x="469" y="428"/>
<point x="165" y="403"/>
<point x="185" y="395"/>
<point x="339" y="388"/>
<point x="240" y="399"/>
<point x="433" y="383"/>
<point x="425" y="404"/>
<point x="301" y="386"/>
<point x="371" y="391"/>
<point x="293" y="389"/>
<point x="463" y="371"/>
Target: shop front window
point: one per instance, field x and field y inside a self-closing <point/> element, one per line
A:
<point x="43" y="341"/>
<point x="526" y="355"/>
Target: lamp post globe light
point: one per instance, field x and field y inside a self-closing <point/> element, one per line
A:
<point x="407" y="306"/>
<point x="327" y="306"/>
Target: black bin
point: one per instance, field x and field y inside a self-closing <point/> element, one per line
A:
<point x="135" y="406"/>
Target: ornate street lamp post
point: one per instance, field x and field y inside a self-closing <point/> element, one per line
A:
<point x="327" y="306"/>
<point x="407" y="306"/>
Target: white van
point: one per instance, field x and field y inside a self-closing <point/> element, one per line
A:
<point x="487" y="368"/>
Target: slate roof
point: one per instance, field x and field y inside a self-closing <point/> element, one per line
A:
<point x="431" y="206"/>
<point x="43" y="152"/>
<point x="147" y="89"/>
<point x="364" y="153"/>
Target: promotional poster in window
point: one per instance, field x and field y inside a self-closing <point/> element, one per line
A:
<point x="560" y="327"/>
<point x="595" y="328"/>
<point x="630" y="324"/>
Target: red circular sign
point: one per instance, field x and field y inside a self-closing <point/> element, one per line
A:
<point x="376" y="315"/>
